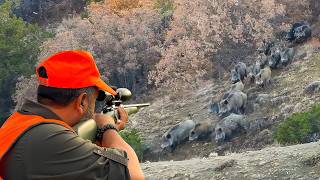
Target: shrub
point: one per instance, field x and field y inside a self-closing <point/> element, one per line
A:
<point x="90" y="1"/>
<point x="296" y="128"/>
<point x="132" y="137"/>
<point x="164" y="6"/>
<point x="84" y="14"/>
<point x="123" y="4"/>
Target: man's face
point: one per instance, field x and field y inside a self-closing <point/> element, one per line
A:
<point x="90" y="112"/>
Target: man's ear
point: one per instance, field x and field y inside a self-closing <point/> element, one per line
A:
<point x="82" y="103"/>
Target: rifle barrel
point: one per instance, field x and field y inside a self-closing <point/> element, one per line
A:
<point x="136" y="105"/>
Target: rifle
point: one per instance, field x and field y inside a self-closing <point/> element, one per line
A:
<point x="88" y="129"/>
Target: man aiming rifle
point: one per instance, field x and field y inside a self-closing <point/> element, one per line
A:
<point x="37" y="142"/>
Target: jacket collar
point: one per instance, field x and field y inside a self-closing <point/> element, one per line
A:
<point x="33" y="108"/>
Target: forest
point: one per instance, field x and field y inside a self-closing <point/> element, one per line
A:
<point x="144" y="45"/>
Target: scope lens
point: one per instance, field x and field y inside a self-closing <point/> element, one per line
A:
<point x="101" y="95"/>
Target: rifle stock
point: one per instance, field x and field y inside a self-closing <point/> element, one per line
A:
<point x="88" y="129"/>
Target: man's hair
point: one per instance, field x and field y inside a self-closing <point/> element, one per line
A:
<point x="61" y="96"/>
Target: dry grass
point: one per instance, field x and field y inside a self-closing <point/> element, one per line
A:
<point x="299" y="75"/>
<point x="124" y="4"/>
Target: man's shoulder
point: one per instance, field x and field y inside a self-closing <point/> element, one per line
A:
<point x="46" y="148"/>
<point x="55" y="136"/>
<point x="63" y="145"/>
<point x="49" y="127"/>
<point x="43" y="130"/>
<point x="50" y="137"/>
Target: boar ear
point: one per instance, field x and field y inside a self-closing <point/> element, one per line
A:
<point x="198" y="124"/>
<point x="225" y="101"/>
<point x="168" y="136"/>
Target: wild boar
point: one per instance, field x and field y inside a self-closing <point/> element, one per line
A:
<point x="201" y="131"/>
<point x="235" y="102"/>
<point x="177" y="135"/>
<point x="263" y="79"/>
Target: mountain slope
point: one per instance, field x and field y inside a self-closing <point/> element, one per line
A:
<point x="285" y="97"/>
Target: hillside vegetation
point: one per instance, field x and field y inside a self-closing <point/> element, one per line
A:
<point x="168" y="46"/>
<point x="178" y="55"/>
<point x="19" y="47"/>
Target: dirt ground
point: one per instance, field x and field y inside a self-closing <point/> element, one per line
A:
<point x="291" y="162"/>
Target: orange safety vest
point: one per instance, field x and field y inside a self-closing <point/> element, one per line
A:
<point x="16" y="126"/>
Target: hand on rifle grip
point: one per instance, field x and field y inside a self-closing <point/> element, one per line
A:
<point x="122" y="118"/>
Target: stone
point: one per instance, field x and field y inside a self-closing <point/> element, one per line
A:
<point x="262" y="98"/>
<point x="279" y="100"/>
<point x="312" y="88"/>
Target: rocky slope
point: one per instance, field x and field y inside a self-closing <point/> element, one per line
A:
<point x="267" y="107"/>
<point x="292" y="162"/>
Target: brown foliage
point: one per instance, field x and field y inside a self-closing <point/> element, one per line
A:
<point x="183" y="65"/>
<point x="139" y="47"/>
<point x="221" y="31"/>
<point x="124" y="4"/>
<point x="26" y="88"/>
<point x="125" y="47"/>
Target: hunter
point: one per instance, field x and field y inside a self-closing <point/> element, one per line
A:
<point x="37" y="141"/>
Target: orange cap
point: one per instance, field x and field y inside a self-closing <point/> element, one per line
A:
<point x="72" y="69"/>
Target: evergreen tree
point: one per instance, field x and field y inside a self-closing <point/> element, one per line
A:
<point x="19" y="47"/>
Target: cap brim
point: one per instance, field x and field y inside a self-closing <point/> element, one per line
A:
<point x="103" y="86"/>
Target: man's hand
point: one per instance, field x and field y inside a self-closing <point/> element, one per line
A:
<point x="123" y="118"/>
<point x="102" y="119"/>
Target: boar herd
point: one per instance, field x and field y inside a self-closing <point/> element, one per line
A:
<point x="232" y="106"/>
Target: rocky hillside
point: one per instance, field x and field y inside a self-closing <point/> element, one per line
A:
<point x="267" y="107"/>
<point x="243" y="158"/>
<point x="292" y="162"/>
